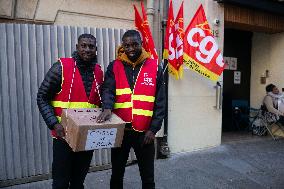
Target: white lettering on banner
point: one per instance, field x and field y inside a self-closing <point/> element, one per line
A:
<point x="147" y="80"/>
<point x="202" y="47"/>
<point x="190" y="35"/>
<point x="100" y="138"/>
<point x="204" y="55"/>
<point x="172" y="54"/>
<point x="219" y="60"/>
<point x="179" y="51"/>
<point x="179" y="42"/>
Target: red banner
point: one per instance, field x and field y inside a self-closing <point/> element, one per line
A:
<point x="142" y="26"/>
<point x="170" y="43"/>
<point x="179" y="35"/>
<point x="173" y="46"/>
<point x="201" y="52"/>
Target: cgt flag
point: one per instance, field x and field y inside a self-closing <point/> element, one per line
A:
<point x="173" y="46"/>
<point x="179" y="34"/>
<point x="201" y="52"/>
<point x="142" y="25"/>
<point x="170" y="43"/>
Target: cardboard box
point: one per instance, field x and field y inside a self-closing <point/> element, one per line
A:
<point x="84" y="133"/>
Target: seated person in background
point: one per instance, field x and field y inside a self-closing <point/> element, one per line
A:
<point x="271" y="103"/>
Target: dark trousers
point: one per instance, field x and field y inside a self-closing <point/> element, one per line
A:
<point x="69" y="168"/>
<point x="145" y="157"/>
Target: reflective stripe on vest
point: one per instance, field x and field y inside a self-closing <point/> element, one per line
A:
<point x="122" y="105"/>
<point x="142" y="112"/>
<point x="142" y="98"/>
<point x="123" y="91"/>
<point x="60" y="104"/>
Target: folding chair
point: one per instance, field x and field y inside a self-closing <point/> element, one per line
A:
<point x="262" y="123"/>
<point x="276" y="130"/>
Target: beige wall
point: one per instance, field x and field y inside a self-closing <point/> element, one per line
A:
<point x="6" y="8"/>
<point x="99" y="13"/>
<point x="193" y="121"/>
<point x="267" y="54"/>
<point x="93" y="13"/>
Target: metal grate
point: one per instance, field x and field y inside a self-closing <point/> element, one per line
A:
<point x="26" y="54"/>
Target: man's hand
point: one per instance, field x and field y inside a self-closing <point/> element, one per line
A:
<point x="59" y="129"/>
<point x="105" y="115"/>
<point x="149" y="137"/>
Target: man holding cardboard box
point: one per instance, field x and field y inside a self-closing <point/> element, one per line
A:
<point x="70" y="83"/>
<point x="134" y="90"/>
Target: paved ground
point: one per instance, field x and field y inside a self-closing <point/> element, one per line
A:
<point x="254" y="163"/>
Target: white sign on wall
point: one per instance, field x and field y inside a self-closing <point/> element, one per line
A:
<point x="237" y="77"/>
<point x="100" y="138"/>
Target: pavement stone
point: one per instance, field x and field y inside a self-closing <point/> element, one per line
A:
<point x="248" y="164"/>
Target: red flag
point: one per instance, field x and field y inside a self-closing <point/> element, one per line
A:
<point x="170" y="43"/>
<point x="143" y="11"/>
<point x="169" y="31"/>
<point x="142" y="25"/>
<point x="173" y="48"/>
<point x="179" y="35"/>
<point x="138" y="20"/>
<point x="201" y="52"/>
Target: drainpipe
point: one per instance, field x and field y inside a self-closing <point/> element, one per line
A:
<point x="165" y="68"/>
<point x="163" y="150"/>
<point x="150" y="12"/>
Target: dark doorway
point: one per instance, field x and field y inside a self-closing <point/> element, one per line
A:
<point x="236" y="90"/>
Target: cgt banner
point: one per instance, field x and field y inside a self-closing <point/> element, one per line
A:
<point x="173" y="48"/>
<point x="201" y="52"/>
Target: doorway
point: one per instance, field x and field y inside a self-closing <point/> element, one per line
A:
<point x="236" y="80"/>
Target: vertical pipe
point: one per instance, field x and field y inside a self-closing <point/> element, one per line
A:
<point x="166" y="76"/>
<point x="163" y="150"/>
<point x="150" y="12"/>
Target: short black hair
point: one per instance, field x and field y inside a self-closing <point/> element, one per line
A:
<point x="86" y="35"/>
<point x="269" y="88"/>
<point x="132" y="33"/>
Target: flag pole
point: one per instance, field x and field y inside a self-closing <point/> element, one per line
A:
<point x="163" y="143"/>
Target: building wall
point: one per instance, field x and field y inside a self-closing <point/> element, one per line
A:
<point x="267" y="54"/>
<point x="92" y="13"/>
<point x="193" y="121"/>
<point x="117" y="14"/>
